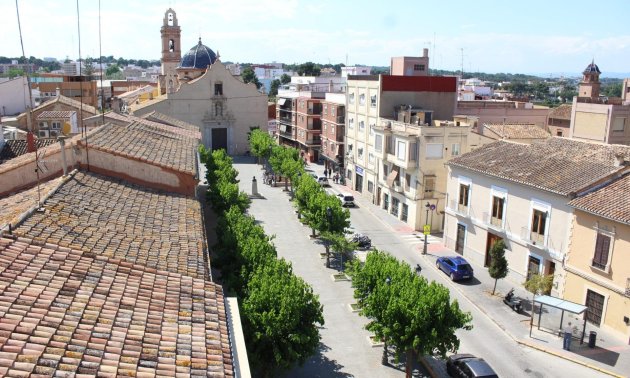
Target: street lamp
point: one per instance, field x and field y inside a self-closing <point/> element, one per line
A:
<point x="426" y="221"/>
<point x="327" y="242"/>
<point x="384" y="359"/>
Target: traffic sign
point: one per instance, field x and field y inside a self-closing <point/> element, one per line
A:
<point x="427" y="229"/>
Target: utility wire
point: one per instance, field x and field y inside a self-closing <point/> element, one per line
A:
<point x="84" y="127"/>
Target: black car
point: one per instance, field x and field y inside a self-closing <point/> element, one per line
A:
<point x="467" y="365"/>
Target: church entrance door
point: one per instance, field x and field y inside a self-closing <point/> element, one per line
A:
<point x="219" y="139"/>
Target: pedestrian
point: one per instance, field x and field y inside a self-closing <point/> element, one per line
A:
<point x="325" y="172"/>
<point x="568" y="334"/>
<point x="329" y="172"/>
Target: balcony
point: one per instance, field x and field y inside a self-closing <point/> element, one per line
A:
<point x="533" y="238"/>
<point x="314" y="142"/>
<point x="341" y="119"/>
<point x="459" y="209"/>
<point x="493" y="222"/>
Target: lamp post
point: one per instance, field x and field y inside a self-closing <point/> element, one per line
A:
<point x="426" y="220"/>
<point x="327" y="242"/>
<point x="384" y="359"/>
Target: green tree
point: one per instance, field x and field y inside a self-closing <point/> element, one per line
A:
<point x="223" y="190"/>
<point x="281" y="316"/>
<point x="612" y="90"/>
<point x="249" y="76"/>
<point x="404" y="309"/>
<point x="306" y="188"/>
<point x="261" y="144"/>
<point x="498" y="263"/>
<point x="15" y="72"/>
<point x="340" y="245"/>
<point x="539" y="284"/>
<point x="112" y="69"/>
<point x="285" y="79"/>
<point x="88" y="69"/>
<point x="309" y="69"/>
<point x="273" y="90"/>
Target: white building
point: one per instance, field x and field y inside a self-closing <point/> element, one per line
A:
<point x="14" y="96"/>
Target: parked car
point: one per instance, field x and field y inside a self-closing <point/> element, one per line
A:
<point x="346" y="199"/>
<point x="323" y="181"/>
<point x="363" y="241"/>
<point x="466" y="365"/>
<point x="456" y="267"/>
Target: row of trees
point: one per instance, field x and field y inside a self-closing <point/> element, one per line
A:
<point x="279" y="311"/>
<point x="321" y="211"/>
<point x="406" y="311"/>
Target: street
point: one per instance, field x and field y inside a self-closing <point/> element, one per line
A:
<point x="345" y="350"/>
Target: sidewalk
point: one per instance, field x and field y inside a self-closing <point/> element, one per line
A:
<point x="611" y="355"/>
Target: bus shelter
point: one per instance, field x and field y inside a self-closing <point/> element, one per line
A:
<point x="558" y="305"/>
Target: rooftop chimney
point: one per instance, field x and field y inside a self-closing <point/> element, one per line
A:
<point x="30" y="142"/>
<point x="58" y="91"/>
<point x="425" y="53"/>
<point x="619" y="160"/>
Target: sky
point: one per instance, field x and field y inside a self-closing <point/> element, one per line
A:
<point x="537" y="37"/>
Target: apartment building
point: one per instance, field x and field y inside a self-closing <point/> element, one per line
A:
<point x="333" y="130"/>
<point x="598" y="274"/>
<point x="520" y="193"/>
<point x="370" y="98"/>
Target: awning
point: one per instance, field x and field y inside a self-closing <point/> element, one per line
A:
<point x="560" y="303"/>
<point x="281" y="101"/>
<point x="391" y="177"/>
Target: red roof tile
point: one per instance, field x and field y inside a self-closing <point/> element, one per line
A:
<point x="611" y="201"/>
<point x="65" y="312"/>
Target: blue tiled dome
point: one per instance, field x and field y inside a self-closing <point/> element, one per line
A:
<point x="199" y="56"/>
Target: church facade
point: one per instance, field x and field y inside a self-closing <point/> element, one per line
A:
<point x="201" y="90"/>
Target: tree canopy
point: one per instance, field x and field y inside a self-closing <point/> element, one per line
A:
<point x="498" y="263"/>
<point x="249" y="76"/>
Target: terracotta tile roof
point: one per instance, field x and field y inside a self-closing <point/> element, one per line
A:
<point x="515" y="131"/>
<point x="163" y="118"/>
<point x="87" y="109"/>
<point x="111" y="217"/>
<point x="67" y="313"/>
<point x="190" y="131"/>
<point x="558" y="165"/>
<point x="561" y="112"/>
<point x="47" y="114"/>
<point x="142" y="105"/>
<point x="18" y="204"/>
<point x="154" y="144"/>
<point x="15" y="148"/>
<point x="611" y="201"/>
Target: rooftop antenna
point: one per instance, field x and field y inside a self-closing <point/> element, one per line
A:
<point x="29" y="110"/>
<point x="462" y="71"/>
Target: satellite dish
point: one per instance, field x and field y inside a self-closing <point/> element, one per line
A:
<point x="66" y="129"/>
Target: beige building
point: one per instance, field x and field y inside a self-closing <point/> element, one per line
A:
<point x="491" y="111"/>
<point x="410" y="65"/>
<point x="602" y="120"/>
<point x="207" y="95"/>
<point x="598" y="273"/>
<point x="377" y="99"/>
<point x="520" y="193"/>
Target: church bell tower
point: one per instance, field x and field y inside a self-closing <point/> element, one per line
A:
<point x="171" y="52"/>
<point x="589" y="86"/>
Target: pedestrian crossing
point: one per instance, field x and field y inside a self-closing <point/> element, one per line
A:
<point x="418" y="238"/>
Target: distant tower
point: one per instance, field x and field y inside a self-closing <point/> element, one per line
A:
<point x="589" y="86"/>
<point x="171" y="51"/>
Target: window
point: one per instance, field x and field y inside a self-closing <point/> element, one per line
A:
<point x="373" y="101"/>
<point x="539" y="221"/>
<point x="325" y="126"/>
<point x="55" y="125"/>
<point x="404" y="212"/>
<point x="218" y="89"/>
<point x="401" y="150"/>
<point x="407" y="181"/>
<point x="332" y="111"/>
<point x="332" y="129"/>
<point x="360" y="153"/>
<point x="350" y="123"/>
<point x="378" y="143"/>
<point x="43" y="124"/>
<point x="464" y="193"/>
<point x="385" y="169"/>
<point x="370" y="186"/>
<point x="385" y="201"/>
<point x="325" y="109"/>
<point x="429" y="186"/>
<point x="455" y="149"/>
<point x="434" y="150"/>
<point x="351" y="98"/>
<point x="362" y="99"/>
<point x="418" y="67"/>
<point x="371" y="158"/>
<point x="497" y="211"/>
<point x="361" y="125"/>
<point x="619" y="124"/>
<point x="413" y="152"/>
<point x="395" y="204"/>
<point x="372" y="128"/>
<point x="559" y="132"/>
<point x="602" y="250"/>
<point x="595" y="307"/>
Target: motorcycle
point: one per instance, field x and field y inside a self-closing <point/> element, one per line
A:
<point x="513" y="302"/>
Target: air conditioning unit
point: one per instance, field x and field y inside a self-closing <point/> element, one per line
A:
<point x="54" y="133"/>
<point x="43" y="134"/>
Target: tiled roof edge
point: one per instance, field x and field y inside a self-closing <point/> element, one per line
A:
<point x="34" y="208"/>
